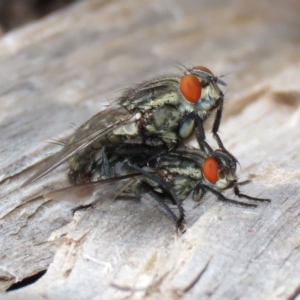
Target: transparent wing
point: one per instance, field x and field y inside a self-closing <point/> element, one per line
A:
<point x="97" y="127"/>
<point x="108" y="189"/>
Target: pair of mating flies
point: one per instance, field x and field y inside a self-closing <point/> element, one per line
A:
<point x="137" y="147"/>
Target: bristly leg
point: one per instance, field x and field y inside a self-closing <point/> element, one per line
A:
<point x="222" y="197"/>
<point x="218" y="118"/>
<point x="200" y="135"/>
<point x="220" y="144"/>
<point x="167" y="188"/>
<point x="240" y="195"/>
<point x="158" y="197"/>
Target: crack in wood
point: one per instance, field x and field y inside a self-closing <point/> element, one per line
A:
<point x="29" y="217"/>
<point x="37" y="198"/>
<point x="181" y="292"/>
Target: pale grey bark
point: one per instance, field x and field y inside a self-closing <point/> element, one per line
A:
<point x="60" y="70"/>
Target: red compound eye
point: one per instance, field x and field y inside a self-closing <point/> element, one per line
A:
<point x="204" y="69"/>
<point x="190" y="88"/>
<point x="210" y="169"/>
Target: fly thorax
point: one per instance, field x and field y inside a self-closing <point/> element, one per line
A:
<point x="162" y="121"/>
<point x="193" y="173"/>
<point x="151" y="95"/>
<point x="183" y="186"/>
<point x="170" y="98"/>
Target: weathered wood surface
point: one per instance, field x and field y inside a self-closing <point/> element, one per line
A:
<point x="61" y="69"/>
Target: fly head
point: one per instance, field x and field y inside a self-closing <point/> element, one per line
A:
<point x="219" y="170"/>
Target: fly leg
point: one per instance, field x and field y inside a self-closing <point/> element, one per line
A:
<point x="240" y="195"/>
<point x="200" y="135"/>
<point x="168" y="189"/>
<point x="220" y="144"/>
<point x="218" y="118"/>
<point x="216" y="126"/>
<point x="193" y="121"/>
<point x="222" y="197"/>
<point x="217" y="123"/>
<point x="146" y="188"/>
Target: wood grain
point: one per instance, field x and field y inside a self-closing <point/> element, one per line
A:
<point x="61" y="69"/>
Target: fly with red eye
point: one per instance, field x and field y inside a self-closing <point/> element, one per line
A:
<point x="135" y="146"/>
<point x="168" y="178"/>
<point x="162" y="111"/>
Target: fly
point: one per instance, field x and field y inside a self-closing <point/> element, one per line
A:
<point x="162" y="111"/>
<point x="167" y="178"/>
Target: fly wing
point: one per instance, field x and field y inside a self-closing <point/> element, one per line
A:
<point x="97" y="127"/>
<point x="108" y="189"/>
